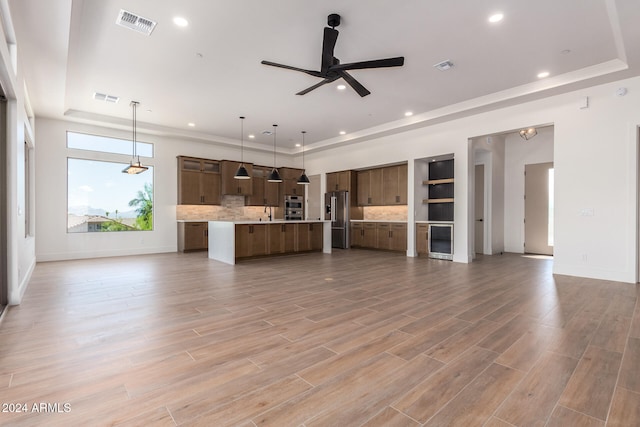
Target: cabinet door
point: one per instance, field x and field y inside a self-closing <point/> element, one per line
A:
<point x="316" y="237"/>
<point x="243" y="240"/>
<point x="192" y="236"/>
<point x="258" y="239"/>
<point x="232" y="186"/>
<point x="189" y="188"/>
<point x="289" y="237"/>
<point x="364" y="180"/>
<point x="422" y="235"/>
<point x="383" y="236"/>
<point x="276" y="245"/>
<point x="398" y="237"/>
<point x="356" y="234"/>
<point x="303" y="238"/>
<point x="375" y="187"/>
<point x="403" y="177"/>
<point x="271" y="193"/>
<point x="344" y="181"/>
<point x="369" y="235"/>
<point x="390" y="185"/>
<point x="332" y="181"/>
<point x="210" y="188"/>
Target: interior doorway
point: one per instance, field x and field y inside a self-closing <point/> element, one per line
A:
<point x="538" y="208"/>
<point x="314" y="207"/>
<point x="479" y="210"/>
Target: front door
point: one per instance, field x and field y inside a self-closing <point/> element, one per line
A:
<point x="538" y="217"/>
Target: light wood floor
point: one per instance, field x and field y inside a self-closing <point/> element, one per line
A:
<point x="349" y="339"/>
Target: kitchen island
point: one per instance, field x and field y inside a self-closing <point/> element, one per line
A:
<point x="230" y="241"/>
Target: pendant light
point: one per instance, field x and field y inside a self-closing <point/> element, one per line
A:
<point x="274" y="175"/>
<point x="242" y="173"/>
<point x="304" y="179"/>
<point x="135" y="167"/>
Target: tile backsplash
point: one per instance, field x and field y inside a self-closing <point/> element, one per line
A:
<point x="231" y="208"/>
<point x="390" y="213"/>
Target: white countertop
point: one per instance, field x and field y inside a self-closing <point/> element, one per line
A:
<point x="378" y="220"/>
<point x="275" y="221"/>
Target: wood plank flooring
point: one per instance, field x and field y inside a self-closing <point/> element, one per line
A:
<point x="355" y="338"/>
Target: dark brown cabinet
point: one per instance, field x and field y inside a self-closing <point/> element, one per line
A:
<point x="199" y="181"/>
<point x="390" y="236"/>
<point x="232" y="186"/>
<point x="251" y="240"/>
<point x="370" y="187"/>
<point x="264" y="193"/>
<point x="422" y="239"/>
<point x="193" y="236"/>
<point x="282" y="238"/>
<point x="341" y="181"/>
<point x="394" y="185"/>
<point x="290" y="186"/>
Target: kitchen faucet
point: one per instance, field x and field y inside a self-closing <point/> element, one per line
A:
<point x="265" y="211"/>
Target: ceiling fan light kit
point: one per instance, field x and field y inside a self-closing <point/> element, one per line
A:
<point x="331" y="69"/>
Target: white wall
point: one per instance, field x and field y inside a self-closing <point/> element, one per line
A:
<point x="518" y="154"/>
<point x="595" y="157"/>
<point x="53" y="241"/>
<point x="20" y="249"/>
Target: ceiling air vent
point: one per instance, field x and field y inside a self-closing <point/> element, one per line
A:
<point x="135" y="22"/>
<point x="106" y="98"/>
<point x="444" y="65"/>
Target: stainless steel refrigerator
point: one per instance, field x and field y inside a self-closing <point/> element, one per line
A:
<point x="337" y="211"/>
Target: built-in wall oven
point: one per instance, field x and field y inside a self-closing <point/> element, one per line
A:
<point x="293" y="208"/>
<point x="441" y="241"/>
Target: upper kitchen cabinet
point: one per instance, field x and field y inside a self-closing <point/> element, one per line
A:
<point x="394" y="185"/>
<point x="232" y="186"/>
<point x="341" y="181"/>
<point x="264" y="193"/>
<point x="198" y="181"/>
<point x="290" y="186"/>
<point x="370" y="187"/>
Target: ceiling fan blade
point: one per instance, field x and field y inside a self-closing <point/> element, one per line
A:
<point x="288" y="67"/>
<point x="328" y="44"/>
<point x="362" y="91"/>
<point x="317" y="85"/>
<point x="376" y="63"/>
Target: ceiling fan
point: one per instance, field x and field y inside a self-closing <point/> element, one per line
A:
<point x="331" y="69"/>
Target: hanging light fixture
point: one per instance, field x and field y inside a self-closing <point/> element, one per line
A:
<point x="527" y="134"/>
<point x="242" y="173"/>
<point x="274" y="175"/>
<point x="304" y="179"/>
<point x="135" y="167"/>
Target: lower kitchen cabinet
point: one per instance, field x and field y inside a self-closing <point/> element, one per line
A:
<point x="390" y="236"/>
<point x="422" y="239"/>
<point x="254" y="240"/>
<point x="251" y="240"/>
<point x="282" y="238"/>
<point x="193" y="236"/>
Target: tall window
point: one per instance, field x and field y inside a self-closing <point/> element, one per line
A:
<point x="100" y="198"/>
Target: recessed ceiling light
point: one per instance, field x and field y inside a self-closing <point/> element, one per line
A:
<point x="543" y="74"/>
<point x="408" y="113"/>
<point x="298" y="145"/>
<point x="496" y="17"/>
<point x="180" y="21"/>
<point x="565" y="52"/>
<point x="341" y="87"/>
<point x="252" y="136"/>
<point x="190" y="124"/>
<point x="343" y="132"/>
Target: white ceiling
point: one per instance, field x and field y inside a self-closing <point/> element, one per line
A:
<point x="209" y="73"/>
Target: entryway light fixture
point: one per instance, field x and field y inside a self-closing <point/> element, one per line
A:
<point x="274" y="176"/>
<point x="529" y="133"/>
<point x="304" y="179"/>
<point x="135" y="167"/>
<point x="242" y="173"/>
